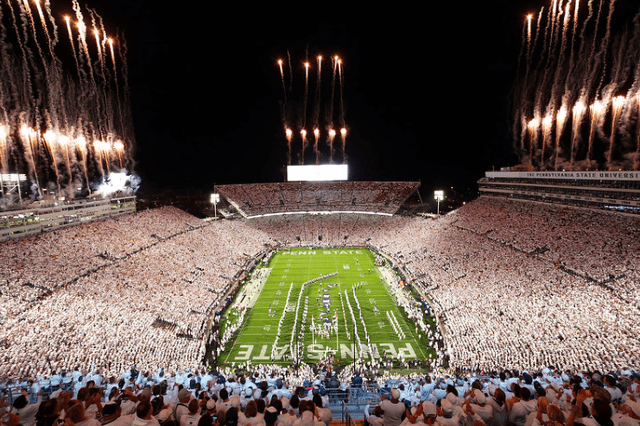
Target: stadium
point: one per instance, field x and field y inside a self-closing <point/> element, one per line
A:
<point x="506" y="282"/>
<point x="316" y="298"/>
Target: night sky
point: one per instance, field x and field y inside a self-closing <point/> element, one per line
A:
<point x="426" y="93"/>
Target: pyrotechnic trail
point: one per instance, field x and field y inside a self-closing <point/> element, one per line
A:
<point x="303" y="132"/>
<point x="532" y="128"/>
<point x="303" y="135"/>
<point x="617" y="105"/>
<point x="636" y="161"/>
<point x="50" y="138"/>
<point x="322" y="114"/>
<point x="330" y="111"/>
<point x="592" y="61"/>
<point x="284" y="87"/>
<point x="44" y="26"/>
<point x="560" y="120"/>
<point x="73" y="47"/>
<point x="595" y="111"/>
<point x="4" y="152"/>
<point x="332" y="136"/>
<point x="343" y="131"/>
<point x="316" y="109"/>
<point x="578" y="112"/>
<point x="316" y="136"/>
<point x="547" y="122"/>
<point x="46" y="114"/>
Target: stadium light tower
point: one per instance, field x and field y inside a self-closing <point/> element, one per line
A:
<point x="215" y="199"/>
<point x="439" y="196"/>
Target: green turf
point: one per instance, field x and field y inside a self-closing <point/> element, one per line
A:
<point x="354" y="266"/>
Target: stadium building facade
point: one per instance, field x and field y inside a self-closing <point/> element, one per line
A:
<point x="609" y="190"/>
<point x="54" y="215"/>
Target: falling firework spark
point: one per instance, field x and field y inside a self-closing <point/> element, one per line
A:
<point x="547" y="122"/>
<point x="321" y="112"/>
<point x="303" y="134"/>
<point x="343" y="133"/>
<point x="578" y="112"/>
<point x="118" y="146"/>
<point x="595" y="111"/>
<point x="332" y="136"/>
<point x="590" y="61"/>
<point x="49" y="114"/>
<point x="4" y="150"/>
<point x="617" y="105"/>
<point x="316" y="109"/>
<point x="532" y="128"/>
<point x="561" y="118"/>
<point x="50" y="139"/>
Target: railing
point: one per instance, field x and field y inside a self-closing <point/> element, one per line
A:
<point x="11" y="392"/>
<point x="347" y="420"/>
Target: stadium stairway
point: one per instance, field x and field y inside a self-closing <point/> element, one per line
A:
<point x="353" y="422"/>
<point x="353" y="407"/>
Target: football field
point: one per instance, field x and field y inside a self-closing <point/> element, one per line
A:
<point x="309" y="303"/>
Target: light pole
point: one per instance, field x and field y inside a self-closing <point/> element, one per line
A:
<point x="439" y="196"/>
<point x="215" y="199"/>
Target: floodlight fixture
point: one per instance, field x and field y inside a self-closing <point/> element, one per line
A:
<point x="439" y="196"/>
<point x="215" y="199"/>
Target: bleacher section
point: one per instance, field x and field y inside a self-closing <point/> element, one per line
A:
<point x="253" y="200"/>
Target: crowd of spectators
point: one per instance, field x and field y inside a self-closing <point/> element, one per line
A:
<point x="269" y="396"/>
<point x="514" y="284"/>
<point x="268" y="198"/>
<point x="114" y="292"/>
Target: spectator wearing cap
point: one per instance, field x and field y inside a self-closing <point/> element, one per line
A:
<point x="76" y="414"/>
<point x="480" y="407"/>
<point x="112" y="415"/>
<point x="429" y="413"/>
<point x="270" y="416"/>
<point x="182" y="408"/>
<point x="210" y="408"/>
<point x="230" y="417"/>
<point x="446" y="417"/>
<point x="393" y="410"/>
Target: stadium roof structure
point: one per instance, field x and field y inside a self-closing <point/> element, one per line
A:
<point x="262" y="199"/>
